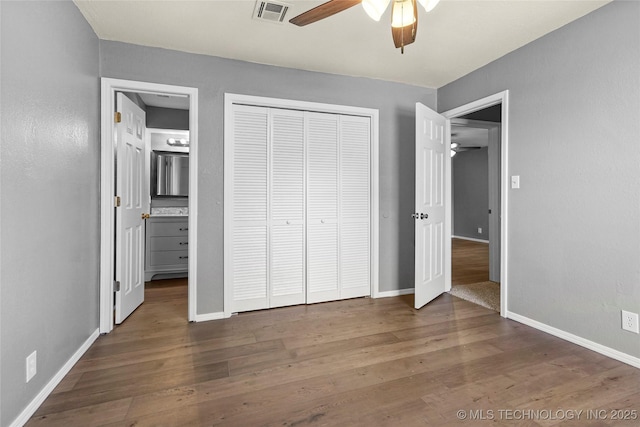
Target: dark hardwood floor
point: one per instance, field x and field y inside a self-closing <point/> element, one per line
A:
<point x="469" y="262"/>
<point x="368" y="362"/>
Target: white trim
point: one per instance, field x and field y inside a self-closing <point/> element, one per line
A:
<point x="396" y="293"/>
<point x="471" y="239"/>
<point x="33" y="406"/>
<point x="210" y="316"/>
<point x="498" y="98"/>
<point x="448" y="206"/>
<point x="231" y="98"/>
<point x="575" y="339"/>
<point x="375" y="206"/>
<point x="107" y="172"/>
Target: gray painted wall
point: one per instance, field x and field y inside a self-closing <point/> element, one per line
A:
<point x="470" y="186"/>
<point x="167" y="118"/>
<point x="215" y="76"/>
<point x="574" y="225"/>
<point x="50" y="186"/>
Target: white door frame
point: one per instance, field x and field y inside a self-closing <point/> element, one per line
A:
<point x="109" y="87"/>
<point x="493" y="129"/>
<point x="489" y="101"/>
<point x="232" y="98"/>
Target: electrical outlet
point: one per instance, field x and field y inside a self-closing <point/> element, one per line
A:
<point x="630" y="321"/>
<point x="31" y="365"/>
<point x="479" y="230"/>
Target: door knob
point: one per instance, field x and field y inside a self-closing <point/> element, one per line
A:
<point x="145" y="216"/>
<point x="424" y="216"/>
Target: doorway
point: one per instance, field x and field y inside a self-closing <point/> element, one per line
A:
<point x="491" y="259"/>
<point x="109" y="201"/>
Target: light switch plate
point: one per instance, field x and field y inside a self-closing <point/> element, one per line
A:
<point x="515" y="181"/>
<point x="31" y="366"/>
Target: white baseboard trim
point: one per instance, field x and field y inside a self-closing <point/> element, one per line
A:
<point x="209" y="316"/>
<point x="583" y="342"/>
<point x="48" y="388"/>
<point x="395" y="293"/>
<point x="470" y="239"/>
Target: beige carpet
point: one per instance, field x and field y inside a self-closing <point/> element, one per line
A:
<point x="486" y="294"/>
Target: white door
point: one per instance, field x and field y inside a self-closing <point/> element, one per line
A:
<point x="322" y="207"/>
<point x="286" y="208"/>
<point x="132" y="189"/>
<point x="355" y="207"/>
<point x="432" y="245"/>
<point x="247" y="246"/>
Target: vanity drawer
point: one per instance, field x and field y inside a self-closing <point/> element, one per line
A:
<point x="169" y="243"/>
<point x="170" y="258"/>
<point x="171" y="227"/>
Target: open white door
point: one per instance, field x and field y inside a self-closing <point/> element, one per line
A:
<point x="131" y="187"/>
<point x="432" y="240"/>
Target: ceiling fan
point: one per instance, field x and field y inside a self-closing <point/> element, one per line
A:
<point x="457" y="147"/>
<point x="404" y="15"/>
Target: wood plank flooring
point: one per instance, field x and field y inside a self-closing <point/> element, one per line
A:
<point x="360" y="362"/>
<point x="469" y="262"/>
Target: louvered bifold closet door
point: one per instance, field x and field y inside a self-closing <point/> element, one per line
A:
<point x="248" y="246"/>
<point x="354" y="218"/>
<point x="287" y="209"/>
<point x="322" y="207"/>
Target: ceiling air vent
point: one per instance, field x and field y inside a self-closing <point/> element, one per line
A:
<point x="270" y="11"/>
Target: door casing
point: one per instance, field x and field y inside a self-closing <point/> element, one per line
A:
<point x="493" y="130"/>
<point x="230" y="99"/>
<point x="489" y="101"/>
<point x="109" y="87"/>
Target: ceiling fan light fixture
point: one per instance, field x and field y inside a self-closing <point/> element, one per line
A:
<point x="375" y="8"/>
<point x="429" y="5"/>
<point x="402" y="13"/>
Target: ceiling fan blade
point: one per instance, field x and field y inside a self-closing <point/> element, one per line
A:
<point x="323" y="11"/>
<point x="469" y="148"/>
<point x="403" y="36"/>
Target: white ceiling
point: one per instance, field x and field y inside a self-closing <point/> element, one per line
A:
<point x="457" y="37"/>
<point x="165" y="101"/>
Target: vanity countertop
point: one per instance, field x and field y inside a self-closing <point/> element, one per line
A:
<point x="169" y="211"/>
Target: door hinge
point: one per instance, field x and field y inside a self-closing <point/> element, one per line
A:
<point x="116" y="286"/>
<point x="117" y="117"/>
<point x="117" y="201"/>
